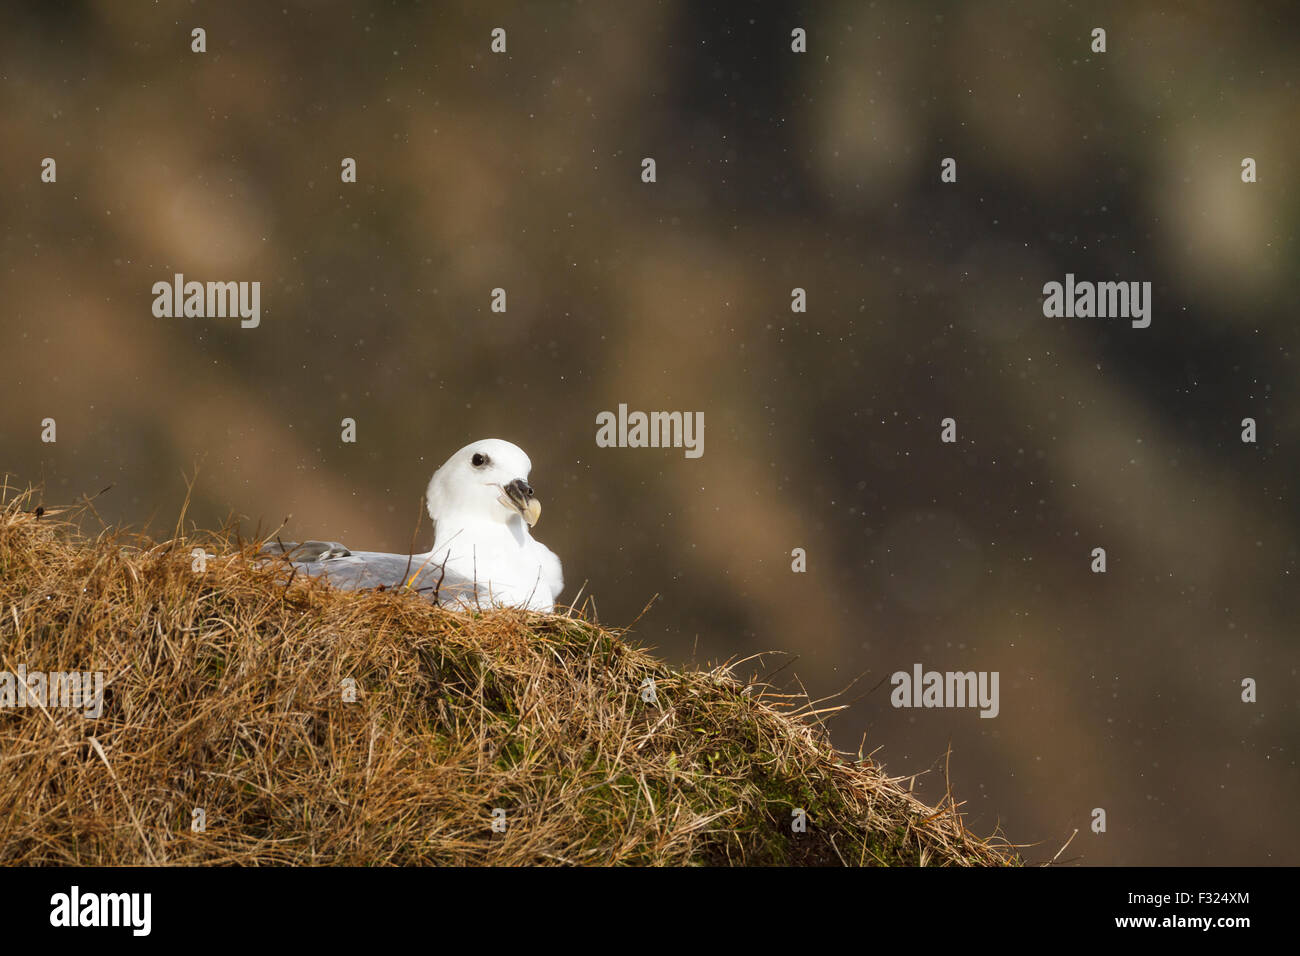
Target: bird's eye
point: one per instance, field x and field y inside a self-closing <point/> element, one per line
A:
<point x="478" y="461"/>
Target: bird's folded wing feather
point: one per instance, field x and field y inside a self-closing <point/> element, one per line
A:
<point x="360" y="570"/>
<point x="306" y="551"/>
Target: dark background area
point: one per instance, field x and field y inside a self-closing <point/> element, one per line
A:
<point x="775" y="170"/>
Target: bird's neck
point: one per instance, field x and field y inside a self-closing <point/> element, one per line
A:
<point x="460" y="532"/>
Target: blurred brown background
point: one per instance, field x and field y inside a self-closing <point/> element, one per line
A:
<point x="775" y="170"/>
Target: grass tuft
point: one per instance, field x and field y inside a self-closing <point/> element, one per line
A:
<point x="224" y="692"/>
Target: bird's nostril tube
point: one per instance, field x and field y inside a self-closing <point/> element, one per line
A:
<point x="520" y="490"/>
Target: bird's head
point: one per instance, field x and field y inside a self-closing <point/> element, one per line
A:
<point x="487" y="480"/>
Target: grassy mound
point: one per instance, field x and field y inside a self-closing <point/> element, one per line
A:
<point x="224" y="692"/>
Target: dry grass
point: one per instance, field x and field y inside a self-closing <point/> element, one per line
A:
<point x="224" y="693"/>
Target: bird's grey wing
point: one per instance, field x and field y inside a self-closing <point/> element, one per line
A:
<point x="306" y="551"/>
<point x="359" y="570"/>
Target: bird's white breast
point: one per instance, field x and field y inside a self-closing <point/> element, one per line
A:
<point x="507" y="567"/>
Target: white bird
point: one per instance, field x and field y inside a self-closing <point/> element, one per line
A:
<point x="482" y="556"/>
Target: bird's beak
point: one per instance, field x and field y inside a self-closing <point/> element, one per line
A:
<point x="519" y="496"/>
